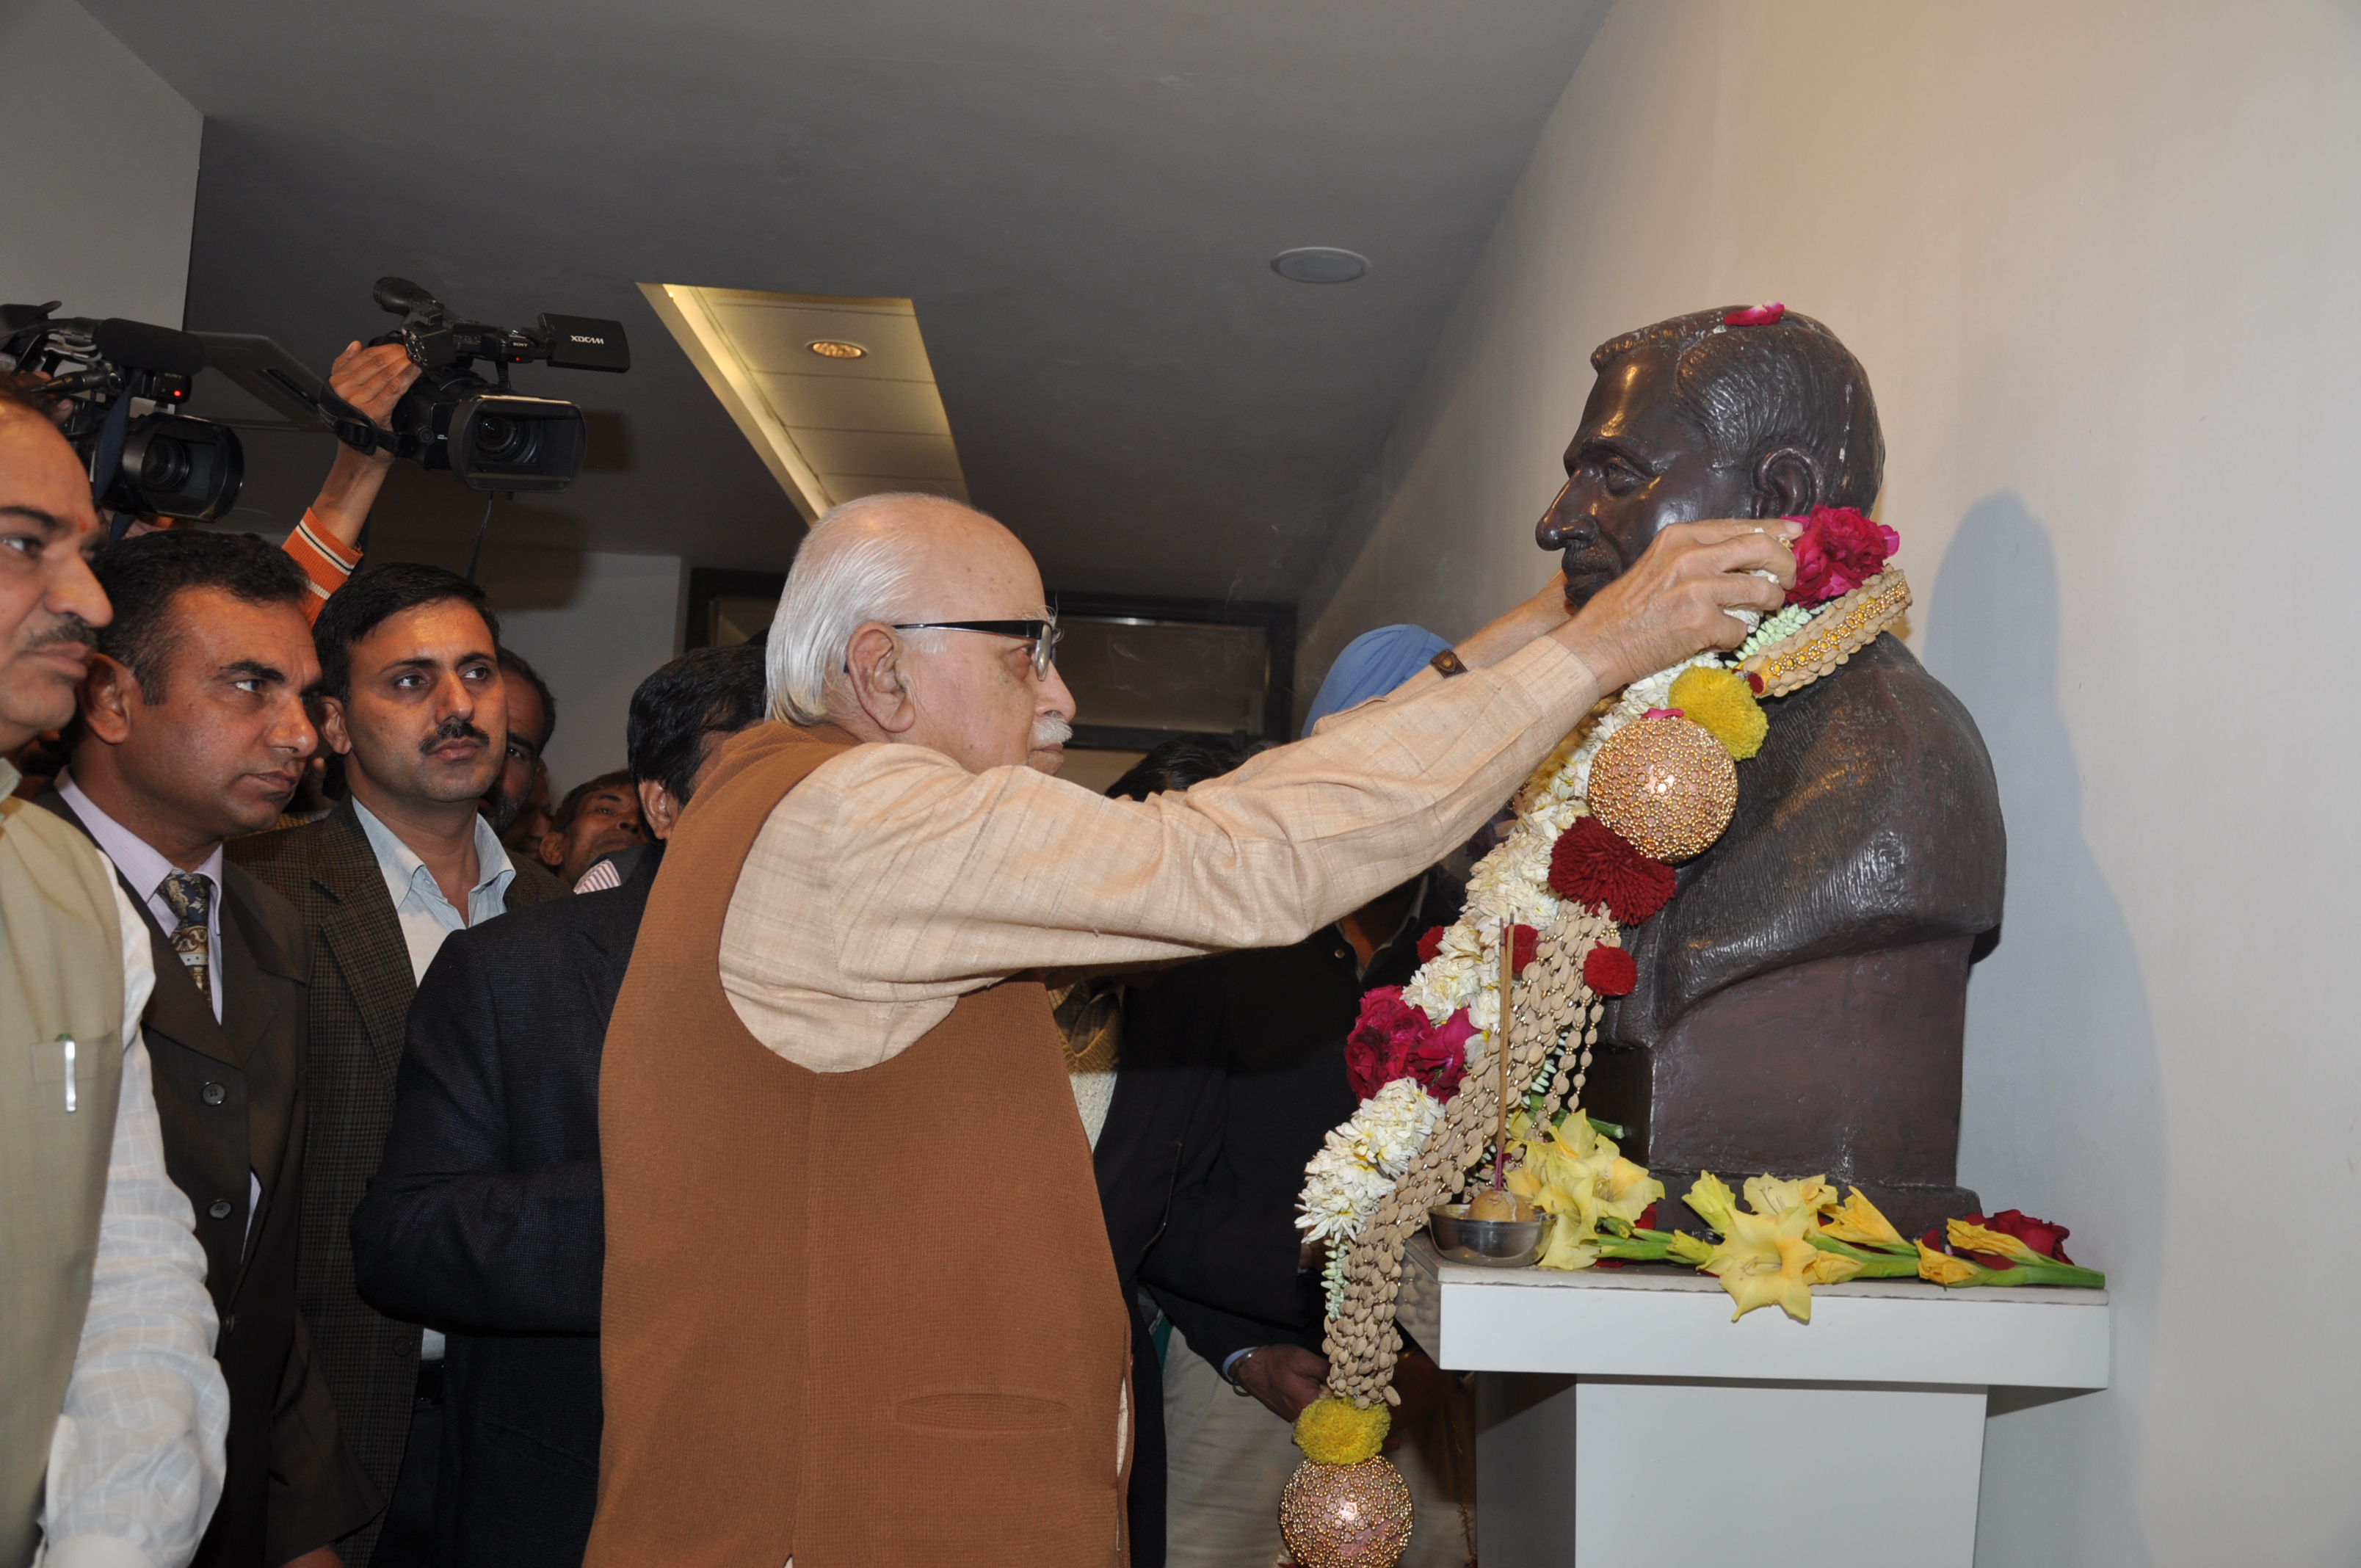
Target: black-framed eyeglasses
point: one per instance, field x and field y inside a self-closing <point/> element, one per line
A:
<point x="1045" y="636"/>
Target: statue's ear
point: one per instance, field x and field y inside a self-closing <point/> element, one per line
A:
<point x="1787" y="482"/>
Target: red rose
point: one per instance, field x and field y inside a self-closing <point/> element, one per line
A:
<point x="1441" y="1055"/>
<point x="1609" y="971"/>
<point x="1380" y="1045"/>
<point x="2043" y="1237"/>
<point x="1647" y="1220"/>
<point x="1591" y="864"/>
<point x="1524" y="942"/>
<point x="1838" y="551"/>
<point x="1430" y="944"/>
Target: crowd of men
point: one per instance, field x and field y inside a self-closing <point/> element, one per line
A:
<point x="388" y="1195"/>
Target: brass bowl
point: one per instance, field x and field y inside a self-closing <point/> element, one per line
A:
<point x="1490" y="1243"/>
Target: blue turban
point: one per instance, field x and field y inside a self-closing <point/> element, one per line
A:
<point x="1372" y="664"/>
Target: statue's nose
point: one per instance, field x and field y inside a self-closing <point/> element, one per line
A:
<point x="1567" y="521"/>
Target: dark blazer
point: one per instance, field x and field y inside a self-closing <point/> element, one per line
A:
<point x="229" y="1094"/>
<point x="485" y="1219"/>
<point x="1162" y="1114"/>
<point x="359" y="1006"/>
<point x="1263" y="1029"/>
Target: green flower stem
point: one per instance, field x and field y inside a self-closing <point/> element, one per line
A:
<point x="1876" y="1264"/>
<point x="2037" y="1273"/>
<point x="1639" y="1246"/>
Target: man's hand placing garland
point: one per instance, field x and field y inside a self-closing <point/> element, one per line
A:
<point x="1285" y="1378"/>
<point x="1670" y="605"/>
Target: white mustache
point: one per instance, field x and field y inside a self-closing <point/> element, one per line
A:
<point x="1051" y="729"/>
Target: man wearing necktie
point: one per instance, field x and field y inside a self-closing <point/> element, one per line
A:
<point x="190" y="730"/>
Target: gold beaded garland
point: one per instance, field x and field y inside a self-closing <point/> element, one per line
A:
<point x="1345" y="1515"/>
<point x="1665" y="786"/>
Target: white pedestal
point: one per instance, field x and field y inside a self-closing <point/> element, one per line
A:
<point x="1624" y="1421"/>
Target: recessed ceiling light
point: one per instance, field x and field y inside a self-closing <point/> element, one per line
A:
<point x="829" y="348"/>
<point x="1319" y="264"/>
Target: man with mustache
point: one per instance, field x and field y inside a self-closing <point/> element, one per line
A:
<point x="411" y="695"/>
<point x="191" y="731"/>
<point x="112" y="1411"/>
<point x="1825" y="939"/>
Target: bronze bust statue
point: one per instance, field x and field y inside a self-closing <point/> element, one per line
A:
<point x="1801" y="1001"/>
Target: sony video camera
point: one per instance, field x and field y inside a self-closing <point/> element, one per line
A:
<point x="125" y="382"/>
<point x="493" y="438"/>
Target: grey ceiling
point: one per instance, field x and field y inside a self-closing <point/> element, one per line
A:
<point x="1081" y="198"/>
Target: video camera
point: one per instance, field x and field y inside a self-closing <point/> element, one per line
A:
<point x="452" y="418"/>
<point x="124" y="382"/>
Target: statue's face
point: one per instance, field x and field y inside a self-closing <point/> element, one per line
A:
<point x="1635" y="466"/>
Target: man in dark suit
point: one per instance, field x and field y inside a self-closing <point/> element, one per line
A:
<point x="485" y="1219"/>
<point x="411" y="695"/>
<point x="192" y="729"/>
<point x="1261" y="1034"/>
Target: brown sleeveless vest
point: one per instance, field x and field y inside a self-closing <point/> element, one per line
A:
<point x="863" y="1319"/>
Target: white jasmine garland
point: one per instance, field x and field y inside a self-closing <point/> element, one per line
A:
<point x="1361" y="1161"/>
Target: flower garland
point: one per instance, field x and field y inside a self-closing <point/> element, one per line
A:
<point x="1568" y="876"/>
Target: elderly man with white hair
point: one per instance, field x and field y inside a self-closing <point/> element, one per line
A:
<point x="860" y="1308"/>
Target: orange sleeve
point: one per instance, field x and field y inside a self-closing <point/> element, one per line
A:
<point x="326" y="561"/>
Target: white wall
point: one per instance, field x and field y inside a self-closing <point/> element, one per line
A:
<point x="98" y="186"/>
<point x="2103" y="264"/>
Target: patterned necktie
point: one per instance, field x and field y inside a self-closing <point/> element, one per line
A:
<point x="190" y="894"/>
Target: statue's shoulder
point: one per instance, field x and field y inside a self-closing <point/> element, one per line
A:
<point x="1880" y="723"/>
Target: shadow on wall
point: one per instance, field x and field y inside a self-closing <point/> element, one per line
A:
<point x="2063" y="1112"/>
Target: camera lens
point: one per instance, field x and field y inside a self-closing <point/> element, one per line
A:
<point x="500" y="439"/>
<point x="166" y="466"/>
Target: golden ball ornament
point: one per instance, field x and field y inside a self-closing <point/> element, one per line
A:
<point x="1345" y="1515"/>
<point x="1666" y="787"/>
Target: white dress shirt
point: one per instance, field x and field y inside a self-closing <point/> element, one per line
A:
<point x="427" y="917"/>
<point x="143" y="867"/>
<point x="136" y="1462"/>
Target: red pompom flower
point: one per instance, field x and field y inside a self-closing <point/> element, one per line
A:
<point x="1524" y="942"/>
<point x="1591" y="864"/>
<point x="1609" y="971"/>
<point x="1430" y="944"/>
<point x="1838" y="551"/>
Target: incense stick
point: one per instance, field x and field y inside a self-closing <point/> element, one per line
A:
<point x="1501" y="1049"/>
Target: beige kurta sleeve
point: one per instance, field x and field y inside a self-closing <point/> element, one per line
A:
<point x="893" y="876"/>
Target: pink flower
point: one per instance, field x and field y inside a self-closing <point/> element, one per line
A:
<point x="1438" y="1060"/>
<point x="1838" y="551"/>
<point x="1755" y="315"/>
<point x="1394" y="1040"/>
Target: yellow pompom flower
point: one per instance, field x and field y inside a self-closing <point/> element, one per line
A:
<point x="1337" y="1431"/>
<point x="1720" y="702"/>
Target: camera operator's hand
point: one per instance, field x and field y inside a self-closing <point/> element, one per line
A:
<point x="372" y="381"/>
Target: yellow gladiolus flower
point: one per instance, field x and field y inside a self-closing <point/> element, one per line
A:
<point x="1945" y="1269"/>
<point x="1694" y="1251"/>
<point x="1625" y="1190"/>
<point x="1768" y="1195"/>
<point x="1763" y="1260"/>
<point x="1859" y="1222"/>
<point x="1569" y="1244"/>
<point x="1830" y="1269"/>
<point x="1975" y="1238"/>
<point x="1713" y="1201"/>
